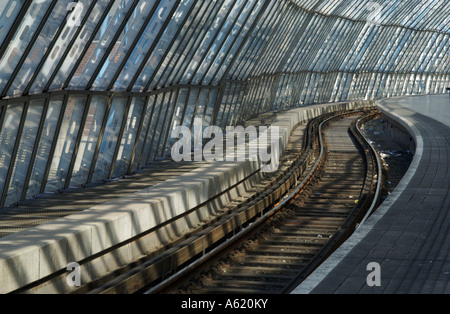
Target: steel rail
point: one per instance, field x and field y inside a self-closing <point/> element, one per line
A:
<point x="233" y="219"/>
<point x="379" y="178"/>
<point x="164" y="284"/>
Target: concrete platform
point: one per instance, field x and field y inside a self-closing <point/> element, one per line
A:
<point x="408" y="236"/>
<point x="34" y="253"/>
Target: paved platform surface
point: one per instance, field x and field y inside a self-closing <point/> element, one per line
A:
<point x="409" y="235"/>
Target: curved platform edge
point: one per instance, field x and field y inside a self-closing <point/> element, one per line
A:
<point x="401" y="116"/>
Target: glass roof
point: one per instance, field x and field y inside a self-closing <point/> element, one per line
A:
<point x="144" y="45"/>
<point x="90" y="90"/>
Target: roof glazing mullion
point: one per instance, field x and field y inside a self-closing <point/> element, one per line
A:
<point x="321" y="53"/>
<point x="413" y="52"/>
<point x="334" y="40"/>
<point x="231" y="45"/>
<point x="308" y="50"/>
<point x="84" y="39"/>
<point x="238" y="43"/>
<point x="253" y="42"/>
<point x="432" y="45"/>
<point x="417" y="14"/>
<point x="24" y="68"/>
<point x="180" y="48"/>
<point x="207" y="47"/>
<point x="369" y="33"/>
<point x="274" y="43"/>
<point x="423" y="51"/>
<point x="124" y="44"/>
<point x="393" y="64"/>
<point x="11" y="16"/>
<point x="437" y="41"/>
<point x="329" y="7"/>
<point x="304" y="23"/>
<point x="143" y="45"/>
<point x="376" y="52"/>
<point x="59" y="56"/>
<point x="341" y="45"/>
<point x="159" y="38"/>
<point x="253" y="68"/>
<point x="22" y="40"/>
<point x="403" y="13"/>
<point x="367" y="50"/>
<point x="318" y="43"/>
<point x="165" y="44"/>
<point x="196" y="42"/>
<point x="216" y="52"/>
<point x="392" y="37"/>
<point x="438" y="54"/>
<point x="78" y="52"/>
<point x="105" y="41"/>
<point x="301" y="50"/>
<point x="355" y="10"/>
<point x="289" y="42"/>
<point x="250" y="59"/>
<point x="357" y="45"/>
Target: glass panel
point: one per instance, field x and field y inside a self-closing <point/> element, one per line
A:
<point x="202" y="51"/>
<point x="237" y="37"/>
<point x="175" y="23"/>
<point x="154" y="153"/>
<point x="66" y="143"/>
<point x="177" y="114"/>
<point x="110" y="138"/>
<point x="45" y="144"/>
<point x="144" y="44"/>
<point x="89" y="138"/>
<point x="9" y="9"/>
<point x="25" y="151"/>
<point x="193" y="98"/>
<point x="39" y="48"/>
<point x="151" y="131"/>
<point x="128" y="36"/>
<point x="21" y="40"/>
<point x="57" y="52"/>
<point x="102" y="42"/>
<point x="183" y="44"/>
<point x="8" y="134"/>
<point x="82" y="40"/>
<point x="224" y="40"/>
<point x="211" y="103"/>
<point x="162" y="149"/>
<point x="143" y="136"/>
<point x="191" y="53"/>
<point x="129" y="136"/>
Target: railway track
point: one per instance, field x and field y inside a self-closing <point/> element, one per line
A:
<point x="283" y="252"/>
<point x="293" y="235"/>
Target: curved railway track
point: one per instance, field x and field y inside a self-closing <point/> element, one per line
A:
<point x="284" y="251"/>
<point x="258" y="247"/>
